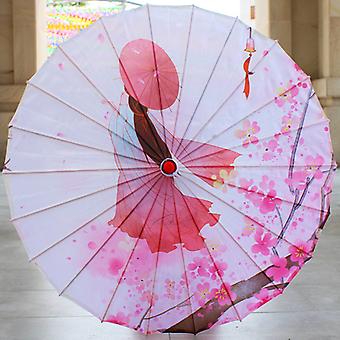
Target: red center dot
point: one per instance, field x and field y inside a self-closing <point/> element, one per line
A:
<point x="168" y="167"/>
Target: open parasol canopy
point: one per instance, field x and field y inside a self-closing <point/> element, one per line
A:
<point x="169" y="169"/>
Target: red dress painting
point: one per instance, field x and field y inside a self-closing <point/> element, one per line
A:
<point x="150" y="205"/>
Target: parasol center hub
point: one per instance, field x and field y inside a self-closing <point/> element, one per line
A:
<point x="168" y="167"/>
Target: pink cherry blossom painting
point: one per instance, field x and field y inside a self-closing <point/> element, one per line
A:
<point x="169" y="169"/>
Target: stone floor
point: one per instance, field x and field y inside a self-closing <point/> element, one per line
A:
<point x="31" y="310"/>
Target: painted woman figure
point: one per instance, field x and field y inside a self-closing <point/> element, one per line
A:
<point x="150" y="203"/>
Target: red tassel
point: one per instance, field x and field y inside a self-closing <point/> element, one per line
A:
<point x="246" y="89"/>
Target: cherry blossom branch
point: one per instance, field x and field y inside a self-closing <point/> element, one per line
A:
<point x="296" y="205"/>
<point x="212" y="310"/>
<point x="143" y="318"/>
<point x="279" y="214"/>
<point x="181" y="304"/>
<point x="297" y="139"/>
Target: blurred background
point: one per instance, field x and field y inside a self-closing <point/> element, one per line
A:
<point x="309" y="30"/>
